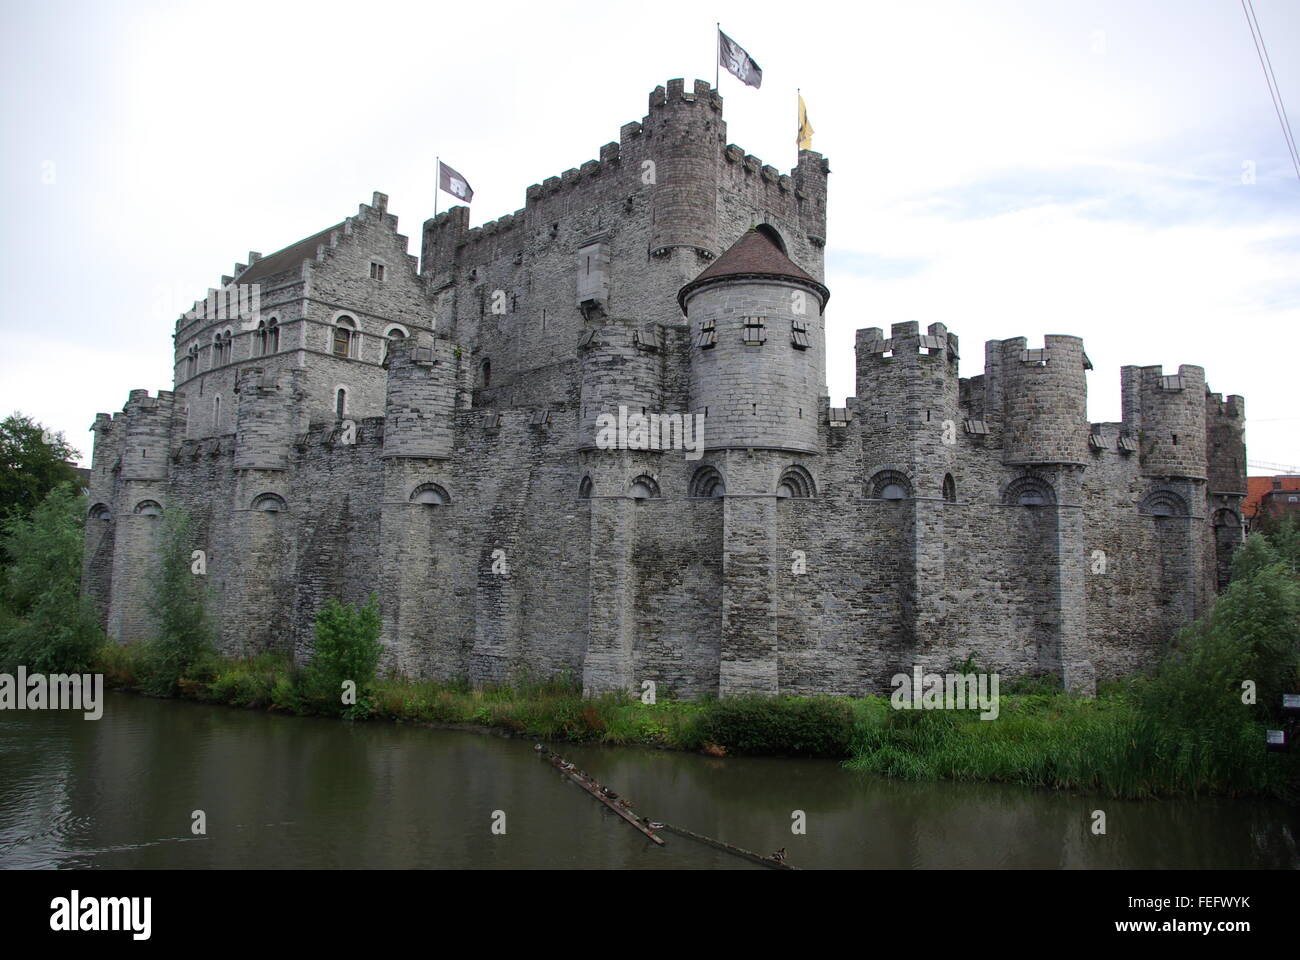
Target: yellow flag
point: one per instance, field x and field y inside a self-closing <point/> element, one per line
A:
<point x="805" y="128"/>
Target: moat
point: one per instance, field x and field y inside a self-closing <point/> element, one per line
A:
<point x="295" y="792"/>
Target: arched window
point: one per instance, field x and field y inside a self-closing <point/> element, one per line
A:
<point x="394" y="335"/>
<point x="227" y="345"/>
<point x="949" y="488"/>
<point x="769" y="231"/>
<point x="192" y="360"/>
<point x="270" y="503"/>
<point x="216" y="412"/>
<point x="708" y="482"/>
<point x="485" y="373"/>
<point x="345" y="329"/>
<point x="340" y="403"/>
<point x="1163" y="503"/>
<point x="644" y="487"/>
<point x="148" y="508"/>
<point x="585" y="488"/>
<point x="889" y="485"/>
<point x="100" y="511"/>
<point x="796" y="483"/>
<point x="268" y="337"/>
<point x="216" y="349"/>
<point x="1029" y="492"/>
<point x="431" y="495"/>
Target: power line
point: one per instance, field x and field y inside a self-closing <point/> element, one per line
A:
<point x="1270" y="78"/>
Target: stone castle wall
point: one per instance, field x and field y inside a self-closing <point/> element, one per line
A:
<point x="931" y="519"/>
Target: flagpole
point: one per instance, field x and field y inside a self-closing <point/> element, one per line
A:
<point x="717" y="54"/>
<point x="437" y="179"/>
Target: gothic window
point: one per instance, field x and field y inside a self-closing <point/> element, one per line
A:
<point x="393" y="335"/>
<point x="585" y="488"/>
<point x="270" y="503"/>
<point x="889" y="485"/>
<point x="1029" y="492"/>
<point x="708" y="482"/>
<point x="949" y="488"/>
<point x="1163" y="503"/>
<point x="795" y="483"/>
<point x="644" y="488"/>
<point x="485" y="371"/>
<point x="340" y="403"/>
<point x="431" y="495"/>
<point x="345" y="330"/>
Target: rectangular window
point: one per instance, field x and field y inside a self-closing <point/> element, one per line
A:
<point x="799" y="334"/>
<point x="376" y="271"/>
<point x="1171" y="383"/>
<point x="708" y="335"/>
<point x="976" y="428"/>
<point x="755" y="330"/>
<point x="1034" y="356"/>
<point x="342" y="340"/>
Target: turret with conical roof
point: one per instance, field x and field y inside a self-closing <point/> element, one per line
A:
<point x="758" y="347"/>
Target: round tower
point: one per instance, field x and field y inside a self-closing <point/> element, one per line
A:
<point x="1168" y="412"/>
<point x="620" y="378"/>
<point x="684" y="136"/>
<point x="147" y="436"/>
<point x="757" y="335"/>
<point x="1044" y="400"/>
<point x="421" y="399"/>
<point x="908" y="388"/>
<point x="269" y="416"/>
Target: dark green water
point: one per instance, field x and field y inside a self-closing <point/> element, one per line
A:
<point x="293" y="792"/>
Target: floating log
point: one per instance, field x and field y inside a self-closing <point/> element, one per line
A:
<point x="590" y="785"/>
<point x="768" y="862"/>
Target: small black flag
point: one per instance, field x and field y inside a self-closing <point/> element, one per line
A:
<point x="738" y="63"/>
<point x="454" y="183"/>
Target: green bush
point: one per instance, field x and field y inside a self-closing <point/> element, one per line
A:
<point x="347" y="649"/>
<point x="752" y="723"/>
<point x="182" y="642"/>
<point x="46" y="624"/>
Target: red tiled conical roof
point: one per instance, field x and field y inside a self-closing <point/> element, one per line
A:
<point x="754" y="255"/>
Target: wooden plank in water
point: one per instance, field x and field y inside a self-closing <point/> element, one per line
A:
<point x="584" y="781"/>
<point x="730" y="848"/>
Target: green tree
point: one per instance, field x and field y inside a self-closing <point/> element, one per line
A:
<point x="183" y="635"/>
<point x="347" y="649"/>
<point x="32" y="463"/>
<point x="47" y="625"/>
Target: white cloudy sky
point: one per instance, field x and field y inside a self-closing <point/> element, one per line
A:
<point x="1010" y="169"/>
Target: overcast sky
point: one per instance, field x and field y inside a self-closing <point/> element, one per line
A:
<point x="1010" y="169"/>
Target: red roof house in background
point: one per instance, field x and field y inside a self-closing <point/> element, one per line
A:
<point x="1271" y="496"/>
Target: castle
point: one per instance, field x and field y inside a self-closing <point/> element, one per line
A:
<point x="431" y="431"/>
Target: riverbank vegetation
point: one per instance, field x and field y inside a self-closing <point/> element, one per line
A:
<point x="1189" y="727"/>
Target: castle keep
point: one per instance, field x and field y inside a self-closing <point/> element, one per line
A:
<point x="431" y="431"/>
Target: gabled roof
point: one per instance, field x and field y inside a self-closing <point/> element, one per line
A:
<point x="754" y="255"/>
<point x="288" y="258"/>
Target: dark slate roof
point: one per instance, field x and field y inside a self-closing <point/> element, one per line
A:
<point x="754" y="255"/>
<point x="288" y="258"/>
